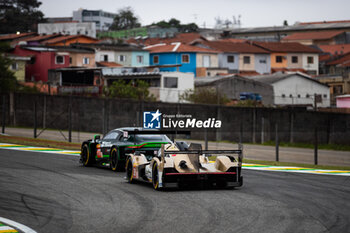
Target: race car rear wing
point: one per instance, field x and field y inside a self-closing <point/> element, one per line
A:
<point x="208" y="153"/>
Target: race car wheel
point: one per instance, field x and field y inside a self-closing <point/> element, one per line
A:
<point x="114" y="159"/>
<point x="155" y="177"/>
<point x="129" y="170"/>
<point x="86" y="157"/>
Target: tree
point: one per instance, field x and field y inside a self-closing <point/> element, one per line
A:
<point x="7" y="78"/>
<point x="204" y="96"/>
<point x="125" y="19"/>
<point x="19" y="15"/>
<point x="191" y="27"/>
<point x="137" y="90"/>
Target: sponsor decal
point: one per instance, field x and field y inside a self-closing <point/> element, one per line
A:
<point x="157" y="120"/>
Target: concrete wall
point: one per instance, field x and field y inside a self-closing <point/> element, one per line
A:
<point x="77" y="59"/>
<point x="213" y="60"/>
<point x="263" y="63"/>
<point x="314" y="65"/>
<point x="249" y="66"/>
<point x="128" y="57"/>
<point x="297" y="65"/>
<point x="232" y="87"/>
<point x="297" y="90"/>
<point x="185" y="81"/>
<point x="101" y="115"/>
<point x="232" y="66"/>
<point x="88" y="29"/>
<point x="99" y="53"/>
<point x="19" y="72"/>
<point x="145" y="61"/>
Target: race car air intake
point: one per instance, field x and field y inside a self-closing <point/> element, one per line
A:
<point x="182" y="164"/>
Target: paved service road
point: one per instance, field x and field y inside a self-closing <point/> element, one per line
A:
<point x="53" y="193"/>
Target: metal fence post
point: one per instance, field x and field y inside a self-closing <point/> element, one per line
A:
<point x="3" y="113"/>
<point x="70" y="119"/>
<point x="277" y="142"/>
<point x="262" y="130"/>
<point x="206" y="139"/>
<point x="316" y="147"/>
<point x="35" y="118"/>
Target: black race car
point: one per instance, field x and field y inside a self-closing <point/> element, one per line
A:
<point x="114" y="146"/>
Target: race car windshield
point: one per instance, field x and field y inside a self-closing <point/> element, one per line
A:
<point x="153" y="138"/>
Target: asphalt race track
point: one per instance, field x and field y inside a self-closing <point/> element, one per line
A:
<point x="54" y="193"/>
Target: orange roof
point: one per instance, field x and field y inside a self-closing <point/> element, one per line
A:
<point x="343" y="61"/>
<point x="63" y="38"/>
<point x="185" y="38"/>
<point x="249" y="73"/>
<point x="108" y="64"/>
<point x="16" y="36"/>
<point x="286" y="47"/>
<point x="324" y="57"/>
<point x="177" y="47"/>
<point x="234" y="47"/>
<point x="335" y="49"/>
<point x="322" y="35"/>
<point x="325" y="22"/>
<point x="39" y="38"/>
<point x="274" y="70"/>
<point x="233" y="40"/>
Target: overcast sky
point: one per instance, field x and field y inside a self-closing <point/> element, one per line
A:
<point x="254" y="13"/>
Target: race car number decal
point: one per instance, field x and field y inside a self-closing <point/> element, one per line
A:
<point x="135" y="172"/>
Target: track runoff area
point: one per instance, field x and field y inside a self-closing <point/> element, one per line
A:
<point x="258" y="167"/>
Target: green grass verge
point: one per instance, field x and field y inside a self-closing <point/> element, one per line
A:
<point x="296" y="145"/>
<point x="310" y="146"/>
<point x="39" y="142"/>
<point x="274" y="163"/>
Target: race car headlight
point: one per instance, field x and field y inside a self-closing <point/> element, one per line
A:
<point x="183" y="164"/>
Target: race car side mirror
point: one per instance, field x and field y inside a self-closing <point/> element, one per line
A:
<point x="97" y="137"/>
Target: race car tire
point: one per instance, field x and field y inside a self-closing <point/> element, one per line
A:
<point x="155" y="178"/>
<point x="114" y="164"/>
<point x="129" y="170"/>
<point x="86" y="157"/>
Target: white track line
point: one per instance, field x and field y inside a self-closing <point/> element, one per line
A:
<point x="17" y="225"/>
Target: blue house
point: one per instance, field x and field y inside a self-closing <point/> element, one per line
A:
<point x="181" y="57"/>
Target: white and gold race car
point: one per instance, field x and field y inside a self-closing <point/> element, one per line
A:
<point x="177" y="164"/>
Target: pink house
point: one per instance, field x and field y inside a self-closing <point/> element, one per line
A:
<point x="343" y="101"/>
<point x="42" y="59"/>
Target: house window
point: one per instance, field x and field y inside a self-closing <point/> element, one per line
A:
<point x="59" y="59"/>
<point x="104" y="57"/>
<point x="278" y="59"/>
<point x="307" y="96"/>
<point x="70" y="60"/>
<point x="86" y="61"/>
<point x="230" y="59"/>
<point x="291" y="96"/>
<point x="155" y="59"/>
<point x="170" y="82"/>
<point x="139" y="59"/>
<point x="283" y="95"/>
<point x="310" y="60"/>
<point x="262" y="61"/>
<point x="121" y="58"/>
<point x="338" y="89"/>
<point x="325" y="96"/>
<point x="185" y="58"/>
<point x="298" y="95"/>
<point x="14" y="66"/>
<point x="294" y="59"/>
<point x="246" y="60"/>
